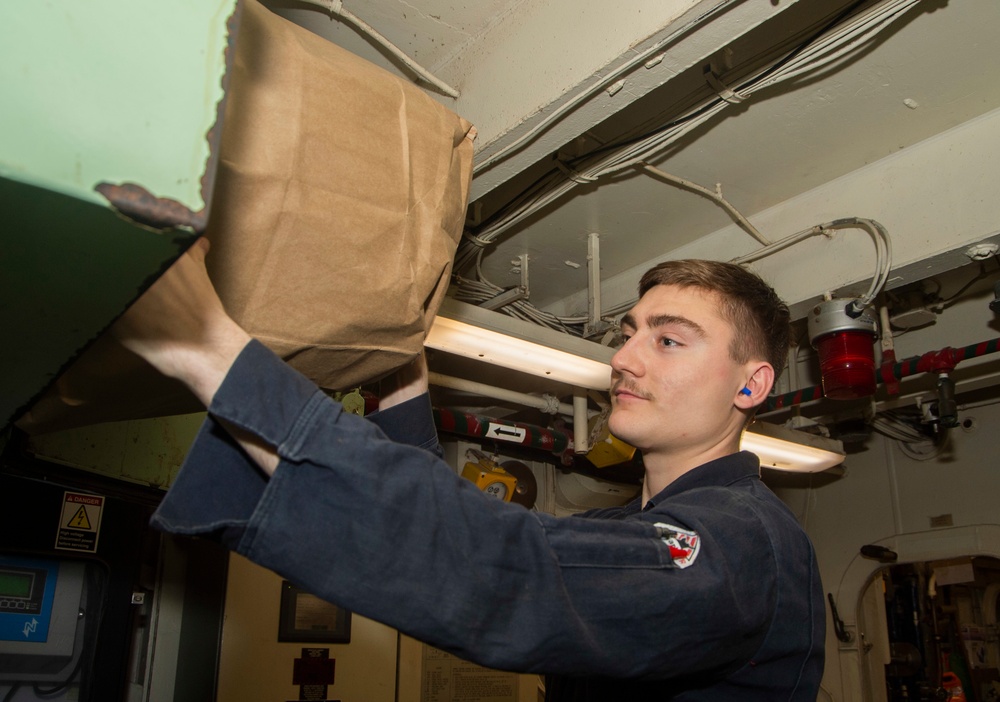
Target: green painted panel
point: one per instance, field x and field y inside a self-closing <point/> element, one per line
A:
<point x="68" y="268"/>
<point x="145" y="451"/>
<point x="101" y="91"/>
<point x="114" y="91"/>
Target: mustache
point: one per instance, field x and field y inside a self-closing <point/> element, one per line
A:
<point x="628" y="386"/>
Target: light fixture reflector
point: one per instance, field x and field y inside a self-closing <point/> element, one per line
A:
<point x="785" y="449"/>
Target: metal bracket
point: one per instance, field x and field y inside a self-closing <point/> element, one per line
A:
<point x="844" y="632"/>
<point x="595" y="325"/>
<point x="505" y="298"/>
<point x="514" y="294"/>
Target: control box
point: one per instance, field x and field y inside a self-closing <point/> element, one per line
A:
<point x="41" y="617"/>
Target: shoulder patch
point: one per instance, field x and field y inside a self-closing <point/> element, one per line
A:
<point x="684" y="545"/>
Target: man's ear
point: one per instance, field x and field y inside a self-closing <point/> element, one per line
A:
<point x="760" y="379"/>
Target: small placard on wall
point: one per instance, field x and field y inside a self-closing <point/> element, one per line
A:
<point x="306" y="618"/>
<point x="954" y="574"/>
<point x="447" y="678"/>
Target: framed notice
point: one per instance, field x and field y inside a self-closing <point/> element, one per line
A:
<point x="306" y="618"/>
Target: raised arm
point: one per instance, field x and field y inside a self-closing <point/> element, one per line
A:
<point x="182" y="329"/>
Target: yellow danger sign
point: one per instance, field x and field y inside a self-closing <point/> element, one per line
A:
<point x="80" y="523"/>
<point x="80" y="520"/>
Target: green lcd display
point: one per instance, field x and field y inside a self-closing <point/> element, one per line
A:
<point x="15" y="584"/>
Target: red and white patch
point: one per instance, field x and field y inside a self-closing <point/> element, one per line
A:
<point x="684" y="545"/>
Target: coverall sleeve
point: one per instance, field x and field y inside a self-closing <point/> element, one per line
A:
<point x="389" y="531"/>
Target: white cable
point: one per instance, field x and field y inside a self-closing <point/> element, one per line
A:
<point x="919" y="451"/>
<point x="911" y="442"/>
<point x="779" y="245"/>
<point x="634" y="154"/>
<point x="845" y="40"/>
<point x="837" y="43"/>
<point x="974" y="405"/>
<point x="881" y="14"/>
<point x="336" y="8"/>
<point x="896" y="429"/>
<point x="715" y="196"/>
<point x="594" y="88"/>
<point x="883" y="253"/>
<point x="883" y="250"/>
<point x="799" y="64"/>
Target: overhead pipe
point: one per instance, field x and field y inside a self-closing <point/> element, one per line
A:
<point x="336" y="9"/>
<point x="888" y="349"/>
<point x="546" y="403"/>
<point x="453" y="421"/>
<point x="942" y="362"/>
<point x="796" y="397"/>
<point x="581" y="430"/>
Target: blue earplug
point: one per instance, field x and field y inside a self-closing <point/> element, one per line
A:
<point x="746" y="391"/>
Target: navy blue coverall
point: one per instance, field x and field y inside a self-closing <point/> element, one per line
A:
<point x="708" y="592"/>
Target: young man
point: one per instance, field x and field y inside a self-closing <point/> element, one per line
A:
<point x="705" y="589"/>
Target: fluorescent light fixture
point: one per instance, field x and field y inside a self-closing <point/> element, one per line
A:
<point x="495" y="338"/>
<point x="786" y="449"/>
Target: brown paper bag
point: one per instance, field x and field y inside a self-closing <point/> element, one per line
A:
<point x="337" y="207"/>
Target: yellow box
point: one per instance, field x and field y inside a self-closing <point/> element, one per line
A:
<point x="491" y="479"/>
<point x="610" y="450"/>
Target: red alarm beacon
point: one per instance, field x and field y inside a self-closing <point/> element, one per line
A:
<point x="843" y="332"/>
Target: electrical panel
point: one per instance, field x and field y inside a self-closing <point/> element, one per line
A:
<point x="42" y="617"/>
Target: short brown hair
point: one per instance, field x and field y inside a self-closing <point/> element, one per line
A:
<point x="760" y="319"/>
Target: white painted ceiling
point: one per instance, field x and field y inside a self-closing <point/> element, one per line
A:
<point x="910" y="97"/>
<point x="930" y="70"/>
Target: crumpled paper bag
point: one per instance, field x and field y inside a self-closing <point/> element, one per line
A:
<point x="338" y="204"/>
